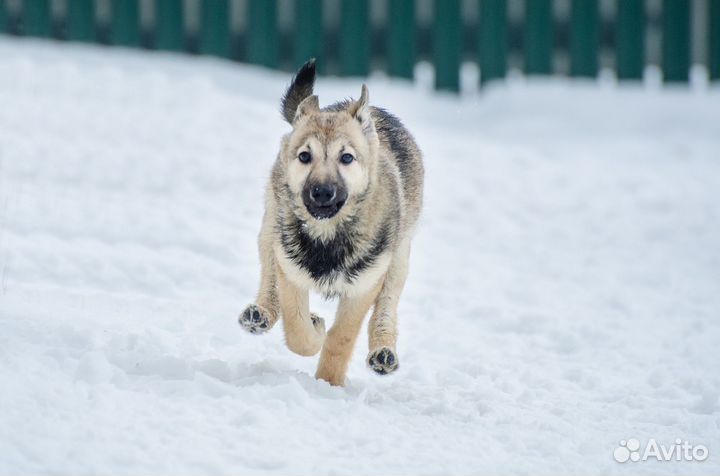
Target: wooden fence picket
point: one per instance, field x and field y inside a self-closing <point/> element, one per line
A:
<point x="262" y="33"/>
<point x="3" y="17"/>
<point x="215" y="28"/>
<point x="81" y="20"/>
<point x="630" y="39"/>
<point x="354" y="40"/>
<point x="307" y="35"/>
<point x="676" y="40"/>
<point x="714" y="39"/>
<point x="584" y="37"/>
<point x="447" y="44"/>
<point x="493" y="39"/>
<point x="169" y="25"/>
<point x="538" y="41"/>
<point x="125" y="23"/>
<point x="36" y="19"/>
<point x="401" y="38"/>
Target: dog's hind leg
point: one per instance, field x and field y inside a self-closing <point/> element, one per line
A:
<point x="338" y="347"/>
<point x="262" y="316"/>
<point x="382" y="328"/>
<point x="304" y="332"/>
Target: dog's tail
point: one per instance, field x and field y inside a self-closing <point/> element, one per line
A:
<point x="300" y="88"/>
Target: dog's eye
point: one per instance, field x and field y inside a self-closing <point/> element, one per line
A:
<point x="304" y="157"/>
<point x="346" y="158"/>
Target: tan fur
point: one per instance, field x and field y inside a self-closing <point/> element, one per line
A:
<point x="374" y="176"/>
<point x="338" y="347"/>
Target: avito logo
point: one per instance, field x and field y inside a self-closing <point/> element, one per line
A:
<point x="629" y="450"/>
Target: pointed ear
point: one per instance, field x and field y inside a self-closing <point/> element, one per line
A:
<point x="360" y="110"/>
<point x="309" y="105"/>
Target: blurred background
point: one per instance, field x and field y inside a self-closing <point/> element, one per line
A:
<point x="582" y="38"/>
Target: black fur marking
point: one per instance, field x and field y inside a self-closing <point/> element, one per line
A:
<point x="300" y="88"/>
<point x="322" y="260"/>
<point x="326" y="261"/>
<point x="379" y="244"/>
<point x="390" y="128"/>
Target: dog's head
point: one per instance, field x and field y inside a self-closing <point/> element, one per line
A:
<point x="330" y="155"/>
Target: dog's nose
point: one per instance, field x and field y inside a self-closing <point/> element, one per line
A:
<point x="323" y="194"/>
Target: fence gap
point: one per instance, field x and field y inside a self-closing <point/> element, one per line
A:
<point x="630" y="39"/>
<point x="447" y="44"/>
<point x="125" y="23"/>
<point x="354" y="38"/>
<point x="538" y="41"/>
<point x="676" y="40"/>
<point x="36" y="18"/>
<point x="262" y="29"/>
<point x="493" y="39"/>
<point x="169" y="25"/>
<point x="308" y="33"/>
<point x="714" y="39"/>
<point x="215" y="28"/>
<point x="401" y="38"/>
<point x="584" y="38"/>
<point x="80" y="20"/>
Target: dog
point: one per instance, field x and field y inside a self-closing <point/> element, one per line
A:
<point x="344" y="196"/>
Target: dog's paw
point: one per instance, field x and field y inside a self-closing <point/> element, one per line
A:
<point x="383" y="360"/>
<point x="255" y="319"/>
<point x="318" y="323"/>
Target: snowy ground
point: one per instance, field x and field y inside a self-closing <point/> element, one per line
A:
<point x="564" y="291"/>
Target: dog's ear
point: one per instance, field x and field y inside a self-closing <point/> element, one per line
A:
<point x="309" y="105"/>
<point x="360" y="110"/>
<point x="300" y="88"/>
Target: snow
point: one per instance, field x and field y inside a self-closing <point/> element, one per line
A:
<point x="563" y="293"/>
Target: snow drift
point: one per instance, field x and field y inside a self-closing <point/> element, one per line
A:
<point x="563" y="293"/>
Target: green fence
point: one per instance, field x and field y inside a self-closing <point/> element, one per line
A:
<point x="353" y="37"/>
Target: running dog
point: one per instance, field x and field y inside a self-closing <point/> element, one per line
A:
<point x="343" y="199"/>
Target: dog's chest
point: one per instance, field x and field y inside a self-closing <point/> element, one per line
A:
<point x="340" y="266"/>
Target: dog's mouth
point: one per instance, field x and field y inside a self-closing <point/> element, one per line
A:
<point x="325" y="212"/>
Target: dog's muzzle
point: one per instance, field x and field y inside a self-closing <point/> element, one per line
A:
<point x="324" y="200"/>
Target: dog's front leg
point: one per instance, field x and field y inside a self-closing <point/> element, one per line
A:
<point x="262" y="316"/>
<point x="341" y="337"/>
<point x="304" y="332"/>
<point x="382" y="329"/>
